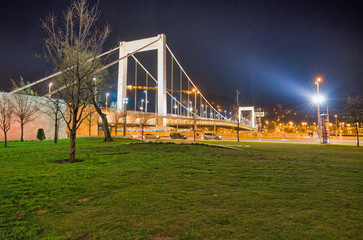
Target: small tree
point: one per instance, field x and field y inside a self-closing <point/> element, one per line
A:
<point x="142" y="120"/>
<point x="118" y="119"/>
<point x="354" y="113"/>
<point x="53" y="107"/>
<point x="72" y="48"/>
<point x="25" y="108"/>
<point x="6" y="115"/>
<point x="41" y="134"/>
<point x="91" y="118"/>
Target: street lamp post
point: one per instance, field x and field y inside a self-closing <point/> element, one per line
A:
<point x="50" y="87"/>
<point x="319" y="122"/>
<point x="141" y="108"/>
<point x="146" y="101"/>
<point x="94" y="79"/>
<point x="125" y="102"/>
<point x="107" y="94"/>
<point x="336" y="125"/>
<point x="260" y="124"/>
<point x="176" y="112"/>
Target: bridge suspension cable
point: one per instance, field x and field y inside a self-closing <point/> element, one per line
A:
<point x="58" y="73"/>
<point x="101" y="69"/>
<point x="153" y="78"/>
<point x="182" y="69"/>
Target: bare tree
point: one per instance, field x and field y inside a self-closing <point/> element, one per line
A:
<point x="354" y="113"/>
<point x="238" y="104"/>
<point x="72" y="47"/>
<point x="91" y="118"/>
<point x="93" y="86"/>
<point x="25" y="108"/>
<point x="53" y="107"/>
<point x="142" y="120"/>
<point x="118" y="119"/>
<point x="6" y="115"/>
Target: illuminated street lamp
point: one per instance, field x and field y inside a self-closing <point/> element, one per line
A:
<point x="336" y="125"/>
<point x="141" y="107"/>
<point x="318" y="100"/>
<point x="94" y="79"/>
<point x="125" y="102"/>
<point x="107" y="94"/>
<point x="50" y="87"/>
<point x="146" y="101"/>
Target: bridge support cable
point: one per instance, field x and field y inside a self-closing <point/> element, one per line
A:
<point x="153" y="78"/>
<point x="135" y="103"/>
<point x="146" y="91"/>
<point x="181" y="90"/>
<point x="176" y="60"/>
<point x="101" y="69"/>
<point x="58" y="73"/>
<point x="171" y="85"/>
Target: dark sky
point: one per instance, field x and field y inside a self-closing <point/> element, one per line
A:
<point x="271" y="50"/>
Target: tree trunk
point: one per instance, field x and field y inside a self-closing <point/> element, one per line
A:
<point x="6" y="139"/>
<point x="357" y="128"/>
<point x="125" y="123"/>
<point x="89" y="128"/>
<point x="56" y="130"/>
<point x="142" y="132"/>
<point x="72" y="154"/>
<point x="238" y="132"/>
<point x="22" y="131"/>
<point x="106" y="130"/>
<point x="116" y="130"/>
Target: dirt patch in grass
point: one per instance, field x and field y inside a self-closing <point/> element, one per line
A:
<point x="68" y="161"/>
<point x="42" y="211"/>
<point x="18" y="214"/>
<point x="162" y="236"/>
<point x="116" y="153"/>
<point x="84" y="237"/>
<point x="82" y="200"/>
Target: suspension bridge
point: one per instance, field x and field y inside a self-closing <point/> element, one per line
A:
<point x="168" y="92"/>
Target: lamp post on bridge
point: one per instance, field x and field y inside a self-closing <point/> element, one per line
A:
<point x="146" y="101"/>
<point x="141" y="107"/>
<point x="195" y="112"/>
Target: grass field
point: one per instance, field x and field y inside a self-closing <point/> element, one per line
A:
<point x="167" y="191"/>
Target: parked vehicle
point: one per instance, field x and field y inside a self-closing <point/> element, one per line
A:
<point x="151" y="136"/>
<point x="178" y="136"/>
<point x="209" y="136"/>
<point x="130" y="135"/>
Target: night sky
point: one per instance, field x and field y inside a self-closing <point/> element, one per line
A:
<point x="270" y="50"/>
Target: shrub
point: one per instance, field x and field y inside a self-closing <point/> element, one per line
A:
<point x="41" y="135"/>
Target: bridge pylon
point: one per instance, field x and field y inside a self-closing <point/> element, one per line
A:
<point x="147" y="44"/>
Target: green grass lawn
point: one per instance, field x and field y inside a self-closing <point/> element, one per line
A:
<point x="167" y="191"/>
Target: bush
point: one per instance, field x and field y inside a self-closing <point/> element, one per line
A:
<point x="41" y="135"/>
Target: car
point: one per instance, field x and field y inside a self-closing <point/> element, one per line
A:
<point x="209" y="136"/>
<point x="178" y="136"/>
<point x="130" y="135"/>
<point x="151" y="136"/>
